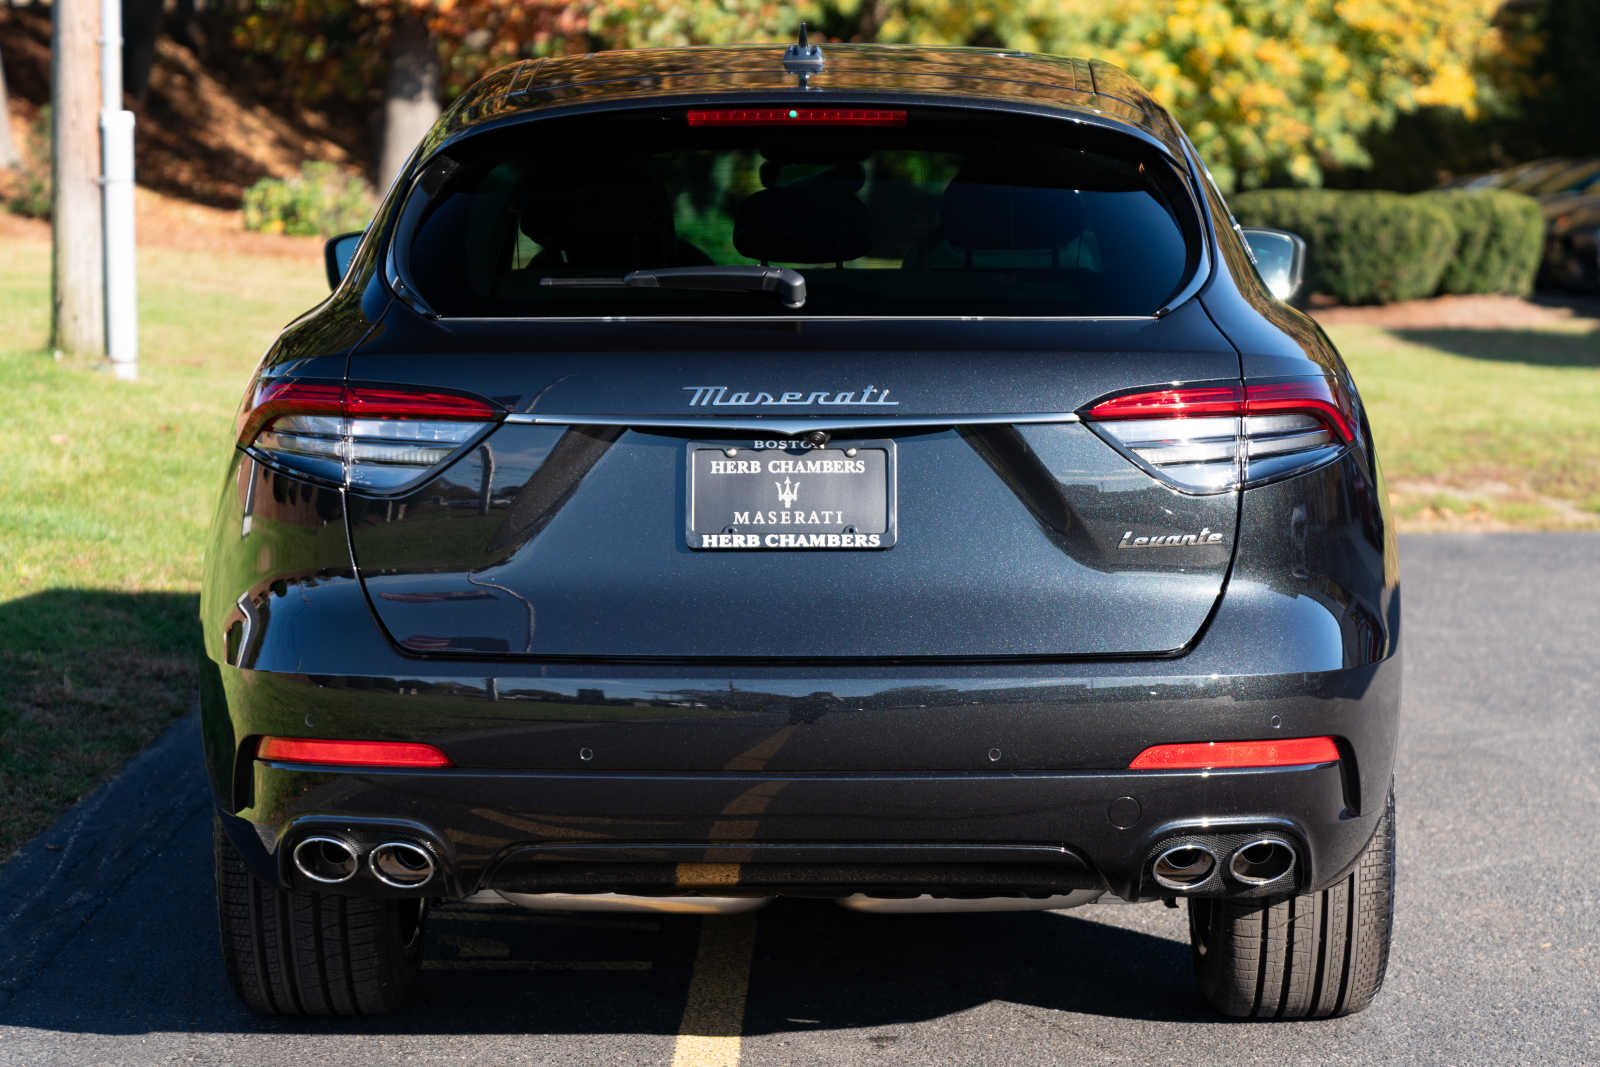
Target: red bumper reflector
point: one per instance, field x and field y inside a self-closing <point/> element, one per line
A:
<point x="796" y="116"/>
<point x="1291" y="752"/>
<point x="351" y="753"/>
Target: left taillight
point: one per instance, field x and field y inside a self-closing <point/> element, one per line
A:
<point x="1213" y="438"/>
<point x="372" y="437"/>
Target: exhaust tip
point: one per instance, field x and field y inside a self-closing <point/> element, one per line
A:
<point x="401" y="864"/>
<point x="1182" y="867"/>
<point x="325" y="859"/>
<point x="1260" y="862"/>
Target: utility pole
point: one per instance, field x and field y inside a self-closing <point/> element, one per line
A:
<point x="77" y="322"/>
<point x="116" y="152"/>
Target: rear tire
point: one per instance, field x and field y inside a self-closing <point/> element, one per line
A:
<point x="293" y="952"/>
<point x="1311" y="956"/>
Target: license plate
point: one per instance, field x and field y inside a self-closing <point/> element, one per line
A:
<point x="838" y="497"/>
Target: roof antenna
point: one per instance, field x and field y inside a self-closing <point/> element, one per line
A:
<point x="803" y="59"/>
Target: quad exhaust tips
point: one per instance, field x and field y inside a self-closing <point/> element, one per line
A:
<point x="1261" y="861"/>
<point x="328" y="860"/>
<point x="1182" y="867"/>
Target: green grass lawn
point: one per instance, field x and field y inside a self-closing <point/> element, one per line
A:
<point x="1484" y="427"/>
<point x="105" y="491"/>
<point x="106" y="486"/>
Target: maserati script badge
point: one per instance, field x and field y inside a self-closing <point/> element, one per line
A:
<point x="718" y="396"/>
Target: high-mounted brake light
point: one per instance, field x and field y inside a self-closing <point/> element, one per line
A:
<point x="1207" y="755"/>
<point x="1210" y="438"/>
<point x="796" y="116"/>
<point x="370" y="437"/>
<point x="350" y="753"/>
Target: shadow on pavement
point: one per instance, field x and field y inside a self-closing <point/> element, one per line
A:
<point x="818" y="962"/>
<point x="147" y="962"/>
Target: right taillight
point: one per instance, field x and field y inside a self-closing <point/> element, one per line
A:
<point x="1212" y="438"/>
<point x="378" y="438"/>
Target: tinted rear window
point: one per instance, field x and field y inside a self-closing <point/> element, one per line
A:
<point x="947" y="213"/>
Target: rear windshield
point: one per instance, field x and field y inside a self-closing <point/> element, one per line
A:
<point x="927" y="213"/>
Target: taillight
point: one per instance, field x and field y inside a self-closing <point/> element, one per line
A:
<point x="1212" y="438"/>
<point x="796" y="116"/>
<point x="368" y="437"/>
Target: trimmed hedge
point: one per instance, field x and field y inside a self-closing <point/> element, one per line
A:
<point x="1362" y="248"/>
<point x="1501" y="240"/>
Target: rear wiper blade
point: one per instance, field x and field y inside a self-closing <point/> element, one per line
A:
<point x="788" y="284"/>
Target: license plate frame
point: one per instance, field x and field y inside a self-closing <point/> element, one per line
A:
<point x="867" y="519"/>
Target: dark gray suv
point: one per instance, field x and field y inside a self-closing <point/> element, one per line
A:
<point x="882" y="475"/>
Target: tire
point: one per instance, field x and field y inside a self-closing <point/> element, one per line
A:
<point x="292" y="952"/>
<point x="1311" y="956"/>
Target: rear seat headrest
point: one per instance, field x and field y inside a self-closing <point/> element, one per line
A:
<point x="977" y="216"/>
<point x="808" y="222"/>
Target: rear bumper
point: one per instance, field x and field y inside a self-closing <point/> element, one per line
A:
<point x="1032" y="833"/>
<point x="976" y="779"/>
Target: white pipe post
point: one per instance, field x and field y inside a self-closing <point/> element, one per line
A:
<point x="116" y="156"/>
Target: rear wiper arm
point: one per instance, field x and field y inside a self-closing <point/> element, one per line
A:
<point x="788" y="284"/>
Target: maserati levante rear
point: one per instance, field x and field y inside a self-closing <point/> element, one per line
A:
<point x="879" y="475"/>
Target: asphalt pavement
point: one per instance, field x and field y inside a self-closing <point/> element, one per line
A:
<point x="108" y="947"/>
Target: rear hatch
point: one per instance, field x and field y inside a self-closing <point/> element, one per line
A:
<point x="894" y="470"/>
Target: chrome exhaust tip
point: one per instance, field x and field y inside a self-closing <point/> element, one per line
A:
<point x="1182" y="867"/>
<point x="328" y="860"/>
<point x="1261" y="862"/>
<point x="401" y="864"/>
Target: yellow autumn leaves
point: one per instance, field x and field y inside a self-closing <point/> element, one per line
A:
<point x="1273" y="90"/>
<point x="1270" y="90"/>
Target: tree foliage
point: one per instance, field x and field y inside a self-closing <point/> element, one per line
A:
<point x="1272" y="91"/>
<point x="1275" y="92"/>
<point x="340" y="47"/>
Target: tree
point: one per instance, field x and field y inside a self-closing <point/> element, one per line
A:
<point x="1274" y="93"/>
<point x="141" y="25"/>
<point x="10" y="155"/>
<point x="1566" y="65"/>
<point x="419" y="51"/>
<point x="1271" y="90"/>
<point x="411" y="97"/>
<point x="77" y="322"/>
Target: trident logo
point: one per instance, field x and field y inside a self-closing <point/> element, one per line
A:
<point x="787" y="492"/>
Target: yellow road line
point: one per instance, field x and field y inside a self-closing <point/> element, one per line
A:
<point x="701" y="875"/>
<point x="713" y="1014"/>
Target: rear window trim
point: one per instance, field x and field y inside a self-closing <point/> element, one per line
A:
<point x="398" y="282"/>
